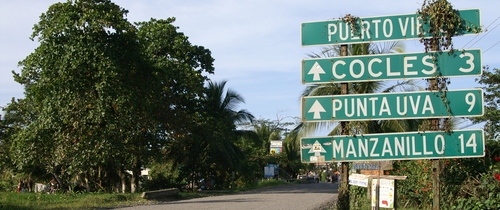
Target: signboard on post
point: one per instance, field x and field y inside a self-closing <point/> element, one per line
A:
<point x="275" y="147"/>
<point x="371" y="29"/>
<point x="271" y="170"/>
<point x="372" y="165"/>
<point x="396" y="146"/>
<point x="391" y="66"/>
<point x="407" y="105"/>
<point x="359" y="180"/>
<point x="408" y="146"/>
<point x="316" y="150"/>
<point x="386" y="193"/>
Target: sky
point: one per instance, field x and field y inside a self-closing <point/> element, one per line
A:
<point x="256" y="44"/>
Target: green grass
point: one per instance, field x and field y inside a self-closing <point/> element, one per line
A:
<point x="25" y="201"/>
<point x="262" y="184"/>
<point x="60" y="201"/>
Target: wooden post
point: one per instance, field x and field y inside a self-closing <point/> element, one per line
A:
<point x="343" y="196"/>
<point x="434" y="85"/>
<point x="380" y="172"/>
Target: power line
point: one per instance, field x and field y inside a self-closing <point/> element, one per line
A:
<point x="485" y="34"/>
<point x="491" y="47"/>
<point x="465" y="46"/>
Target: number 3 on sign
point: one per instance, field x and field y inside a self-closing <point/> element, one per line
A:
<point x="471" y="142"/>
<point x="470" y="99"/>
<point x="469" y="61"/>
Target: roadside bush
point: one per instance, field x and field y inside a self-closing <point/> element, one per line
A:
<point x="161" y="176"/>
<point x="6" y="186"/>
<point x="416" y="190"/>
<point x="359" y="198"/>
<point x="482" y="189"/>
<point x="160" y="182"/>
<point x="479" y="194"/>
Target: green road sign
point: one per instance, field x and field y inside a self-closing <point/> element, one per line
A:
<point x="406" y="105"/>
<point x="405" y="146"/>
<point x="395" y="146"/>
<point x="314" y="150"/>
<point x="391" y="66"/>
<point x="370" y="29"/>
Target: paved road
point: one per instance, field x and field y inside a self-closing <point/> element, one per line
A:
<point x="293" y="196"/>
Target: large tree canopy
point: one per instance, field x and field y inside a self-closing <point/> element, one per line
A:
<point x="102" y="93"/>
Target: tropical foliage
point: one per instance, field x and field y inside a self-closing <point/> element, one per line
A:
<point x="490" y="79"/>
<point x="106" y="98"/>
<point x="103" y="96"/>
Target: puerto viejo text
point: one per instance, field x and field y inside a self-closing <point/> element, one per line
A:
<point x="384" y="28"/>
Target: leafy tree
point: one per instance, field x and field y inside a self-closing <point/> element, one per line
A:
<point x="266" y="130"/>
<point x="71" y="83"/>
<point x="8" y="126"/>
<point x="103" y="95"/>
<point x="257" y="150"/>
<point x="291" y="162"/>
<point x="474" y="183"/>
<point x="175" y="89"/>
<point x="490" y="79"/>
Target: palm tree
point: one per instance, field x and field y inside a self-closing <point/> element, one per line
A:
<point x="223" y="103"/>
<point x="220" y="107"/>
<point x="208" y="144"/>
<point x="308" y="128"/>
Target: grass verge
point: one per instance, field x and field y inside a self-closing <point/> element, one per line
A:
<point x="80" y="201"/>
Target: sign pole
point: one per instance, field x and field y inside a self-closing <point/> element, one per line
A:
<point x="435" y="85"/>
<point x="343" y="196"/>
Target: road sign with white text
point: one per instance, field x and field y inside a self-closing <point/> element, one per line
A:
<point x="382" y="28"/>
<point x="391" y="66"/>
<point x="398" y="146"/>
<point x="406" y="105"/>
<point x="407" y="146"/>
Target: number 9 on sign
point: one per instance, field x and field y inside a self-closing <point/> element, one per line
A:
<point x="466" y="102"/>
<point x="470" y="99"/>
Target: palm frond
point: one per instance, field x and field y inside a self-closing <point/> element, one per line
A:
<point x="387" y="47"/>
<point x="403" y="86"/>
<point x="309" y="128"/>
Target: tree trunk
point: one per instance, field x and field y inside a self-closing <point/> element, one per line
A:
<point x="123" y="179"/>
<point x="86" y="179"/>
<point x="136" y="173"/>
<point x="99" y="175"/>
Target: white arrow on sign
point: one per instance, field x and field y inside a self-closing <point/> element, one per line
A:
<point x="316" y="70"/>
<point x="317" y="149"/>
<point x="316" y="108"/>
